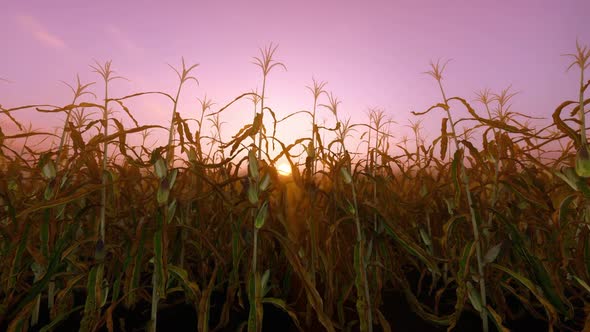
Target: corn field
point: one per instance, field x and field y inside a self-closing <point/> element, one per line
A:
<point x="480" y="229"/>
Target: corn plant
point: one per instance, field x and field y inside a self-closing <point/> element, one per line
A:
<point x="257" y="185"/>
<point x="183" y="77"/>
<point x="436" y="72"/>
<point x="581" y="60"/>
<point x="361" y="258"/>
<point x="266" y="63"/>
<point x="79" y="91"/>
<point x="107" y="75"/>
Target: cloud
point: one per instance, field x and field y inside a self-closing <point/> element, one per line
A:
<point x="38" y="31"/>
<point x="122" y="39"/>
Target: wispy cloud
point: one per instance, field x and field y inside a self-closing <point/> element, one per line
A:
<point x="41" y="33"/>
<point x="122" y="39"/>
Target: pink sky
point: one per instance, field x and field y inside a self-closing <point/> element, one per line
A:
<point x="371" y="53"/>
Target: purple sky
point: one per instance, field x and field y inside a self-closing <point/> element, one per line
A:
<point x="371" y="53"/>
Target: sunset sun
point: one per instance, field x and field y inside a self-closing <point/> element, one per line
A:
<point x="284" y="169"/>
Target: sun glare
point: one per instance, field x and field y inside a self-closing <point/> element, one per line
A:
<point x="284" y="169"/>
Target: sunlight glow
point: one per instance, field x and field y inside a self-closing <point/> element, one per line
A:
<point x="284" y="169"/>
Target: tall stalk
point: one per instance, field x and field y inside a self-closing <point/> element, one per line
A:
<point x="256" y="186"/>
<point x="311" y="163"/>
<point x="266" y="64"/>
<point x="183" y="78"/>
<point x="502" y="114"/>
<point x="484" y="96"/>
<point x="78" y="92"/>
<point x="436" y="72"/>
<point x="378" y="122"/>
<point x="107" y="76"/>
<point x="416" y="126"/>
<point x="206" y="104"/>
<point x="363" y="303"/>
<point x="317" y="90"/>
<point x="581" y="60"/>
<point x="332" y="105"/>
<point x="164" y="214"/>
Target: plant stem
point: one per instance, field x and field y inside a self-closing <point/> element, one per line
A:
<point x="103" y="191"/>
<point x="359" y="239"/>
<point x="474" y="225"/>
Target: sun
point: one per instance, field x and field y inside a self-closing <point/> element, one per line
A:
<point x="284" y="169"/>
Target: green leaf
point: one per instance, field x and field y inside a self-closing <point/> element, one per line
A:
<point x="474" y="297"/>
<point x="350" y="207"/>
<point x="582" y="283"/>
<point x="38" y="270"/>
<point x="425" y="237"/>
<point x="261" y="216"/>
<point x="171" y="210"/>
<point x="162" y="195"/>
<point x="104" y="288"/>
<point x="160" y="167"/>
<point x="492" y="253"/>
<point x="252" y="165"/>
<point x="252" y="193"/>
<point x="265" y="182"/>
<point x="347" y="178"/>
<point x="264" y="282"/>
<point x="450" y="205"/>
<point x="48" y="193"/>
<point x="172" y="177"/>
<point x="48" y="170"/>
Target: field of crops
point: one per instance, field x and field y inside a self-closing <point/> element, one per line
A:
<point x="487" y="229"/>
